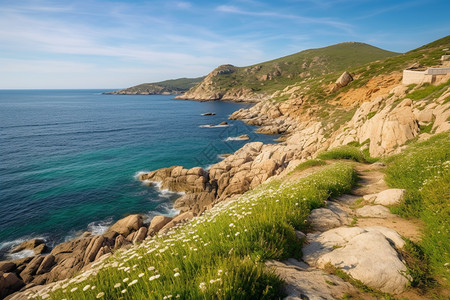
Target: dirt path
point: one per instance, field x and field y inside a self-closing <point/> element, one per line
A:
<point x="303" y="280"/>
<point x="371" y="181"/>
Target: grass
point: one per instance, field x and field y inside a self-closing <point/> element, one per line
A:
<point x="427" y="90"/>
<point x="309" y="163"/>
<point x="347" y="152"/>
<point x="221" y="254"/>
<point x="287" y="70"/>
<point x="423" y="169"/>
<point x="356" y="283"/>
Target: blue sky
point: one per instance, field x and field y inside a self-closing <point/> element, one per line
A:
<point x="117" y="43"/>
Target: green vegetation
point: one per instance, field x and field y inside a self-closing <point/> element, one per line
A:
<point x="427" y="90"/>
<point x="221" y="254"/>
<point x="371" y="114"/>
<point x="417" y="266"/>
<point x="172" y="86"/>
<point x="423" y="169"/>
<point x="309" y="163"/>
<point x="347" y="152"/>
<point x="356" y="283"/>
<point x="276" y="74"/>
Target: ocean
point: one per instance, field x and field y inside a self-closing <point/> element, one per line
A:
<point x="69" y="159"/>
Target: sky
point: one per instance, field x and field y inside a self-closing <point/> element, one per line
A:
<point x="111" y="44"/>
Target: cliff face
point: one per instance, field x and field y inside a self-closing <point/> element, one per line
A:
<point x="219" y="85"/>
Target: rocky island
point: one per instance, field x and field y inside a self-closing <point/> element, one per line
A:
<point x="328" y="213"/>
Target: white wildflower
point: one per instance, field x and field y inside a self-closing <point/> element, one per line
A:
<point x="117" y="285"/>
<point x="140" y="275"/>
<point x="74" y="289"/>
<point x="133" y="282"/>
<point x="126" y="279"/>
<point x="86" y="288"/>
<point x="202" y="286"/>
<point x="154" y="277"/>
<point x="123" y="291"/>
<point x="100" y="295"/>
<point x="176" y="274"/>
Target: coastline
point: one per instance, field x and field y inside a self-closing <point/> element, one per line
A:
<point x="28" y="262"/>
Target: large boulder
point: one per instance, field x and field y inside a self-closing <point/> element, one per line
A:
<point x="387" y="197"/>
<point x="37" y="245"/>
<point x="157" y="223"/>
<point x="304" y="282"/>
<point x="128" y="224"/>
<point x="140" y="235"/>
<point x="9" y="283"/>
<point x="322" y="219"/>
<point x="368" y="255"/>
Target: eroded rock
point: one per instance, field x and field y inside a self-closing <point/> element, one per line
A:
<point x="366" y="254"/>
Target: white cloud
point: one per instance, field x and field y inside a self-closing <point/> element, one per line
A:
<point x="301" y="19"/>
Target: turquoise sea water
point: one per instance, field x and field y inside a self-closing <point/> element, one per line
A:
<point x="69" y="158"/>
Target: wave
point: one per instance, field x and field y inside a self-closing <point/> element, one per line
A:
<point x="138" y="174"/>
<point x="213" y="126"/>
<point x="164" y="193"/>
<point x="6" y="247"/>
<point x="99" y="227"/>
<point x="236" y="138"/>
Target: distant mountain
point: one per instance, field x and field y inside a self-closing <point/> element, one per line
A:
<point x="167" y="87"/>
<point x="258" y="81"/>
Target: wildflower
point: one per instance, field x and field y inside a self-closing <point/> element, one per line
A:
<point x="202" y="286"/>
<point x="219" y="272"/>
<point x="133" y="282"/>
<point x="154" y="277"/>
<point x="74" y="289"/>
<point x="126" y="279"/>
<point x="100" y="295"/>
<point x="117" y="285"/>
<point x="86" y="288"/>
<point x="151" y="268"/>
<point x="176" y="274"/>
<point x="178" y="296"/>
<point x="93" y="287"/>
<point x="237" y="233"/>
<point x="123" y="291"/>
<point x="140" y="275"/>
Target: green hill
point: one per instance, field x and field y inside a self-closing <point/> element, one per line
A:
<point x="264" y="78"/>
<point x="172" y="86"/>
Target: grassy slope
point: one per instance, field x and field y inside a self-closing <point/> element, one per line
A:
<point x="172" y="85"/>
<point x="221" y="254"/>
<point x="423" y="169"/>
<point x="315" y="94"/>
<point x="311" y="63"/>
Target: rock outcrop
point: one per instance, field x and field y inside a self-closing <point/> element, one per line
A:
<point x="367" y="254"/>
<point x="210" y="89"/>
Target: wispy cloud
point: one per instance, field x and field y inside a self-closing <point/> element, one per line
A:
<point x="271" y="14"/>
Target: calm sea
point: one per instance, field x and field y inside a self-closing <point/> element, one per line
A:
<point x="69" y="158"/>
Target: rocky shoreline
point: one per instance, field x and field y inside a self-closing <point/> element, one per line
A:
<point x="387" y="122"/>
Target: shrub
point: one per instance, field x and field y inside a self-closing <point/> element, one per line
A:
<point x="347" y="152"/>
<point x="309" y="163"/>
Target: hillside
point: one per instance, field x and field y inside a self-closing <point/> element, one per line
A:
<point x="167" y="87"/>
<point x="257" y="82"/>
<point x="353" y="203"/>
